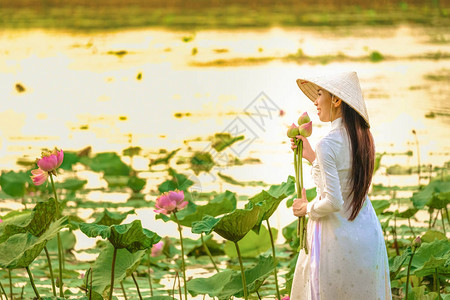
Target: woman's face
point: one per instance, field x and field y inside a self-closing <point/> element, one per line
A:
<point x="323" y="103"/>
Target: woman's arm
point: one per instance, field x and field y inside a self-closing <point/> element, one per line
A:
<point x="332" y="202"/>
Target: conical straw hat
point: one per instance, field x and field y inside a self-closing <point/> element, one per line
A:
<point x="345" y="86"/>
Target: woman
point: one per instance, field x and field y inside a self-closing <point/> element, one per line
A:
<point x="347" y="257"/>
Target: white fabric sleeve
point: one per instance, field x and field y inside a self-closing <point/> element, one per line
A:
<point x="332" y="200"/>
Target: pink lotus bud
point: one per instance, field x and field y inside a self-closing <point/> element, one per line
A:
<point x="169" y="202"/>
<point x="51" y="160"/>
<point x="1" y="221"/>
<point x="39" y="176"/>
<point x="285" y="298"/>
<point x="305" y="129"/>
<point x="292" y="131"/>
<point x="157" y="249"/>
<point x="417" y="242"/>
<point x="304" y="118"/>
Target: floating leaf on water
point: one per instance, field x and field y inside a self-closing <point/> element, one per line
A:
<point x="178" y="182"/>
<point x="116" y="181"/>
<point x="252" y="244"/>
<point x="119" y="53"/>
<point x="233" y="181"/>
<point x="139" y="76"/>
<point x="136" y="184"/>
<point x="376" y="56"/>
<point x="221" y="141"/>
<point x="72" y="184"/>
<point x="201" y="161"/>
<point x="21" y="249"/>
<point x="107" y="162"/>
<point x="163" y="160"/>
<point x="131" y="151"/>
<point x="20" y="88"/>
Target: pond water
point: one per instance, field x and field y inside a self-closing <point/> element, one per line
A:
<point x="83" y="90"/>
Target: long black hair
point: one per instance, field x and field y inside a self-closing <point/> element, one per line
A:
<point x="363" y="155"/>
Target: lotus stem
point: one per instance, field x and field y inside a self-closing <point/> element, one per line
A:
<point x="183" y="267"/>
<point x="51" y="271"/>
<point x="437" y="283"/>
<point x="10" y="284"/>
<point x="259" y="296"/>
<point x="112" y="273"/>
<point x="90" y="290"/>
<point x="179" y="285"/>
<point x="149" y="275"/>
<point x="394" y="233"/>
<point x="301" y="229"/>
<point x="442" y="219"/>
<point x="137" y="286"/>
<point x="435" y="218"/>
<point x="407" y="274"/>
<point x="418" y="155"/>
<point x="209" y="253"/>
<point x="244" y="282"/>
<point x="3" y="291"/>
<point x="123" y="291"/>
<point x="32" y="283"/>
<point x="446" y="213"/>
<point x="411" y="228"/>
<point x="274" y="260"/>
<point x="58" y="237"/>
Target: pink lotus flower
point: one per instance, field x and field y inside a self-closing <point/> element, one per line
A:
<point x="157" y="249"/>
<point x="39" y="176"/>
<point x="50" y="160"/>
<point x="1" y="221"/>
<point x="305" y="129"/>
<point x="48" y="163"/>
<point x="169" y="202"/>
<point x="285" y="298"/>
<point x="292" y="131"/>
<point x="304" y="118"/>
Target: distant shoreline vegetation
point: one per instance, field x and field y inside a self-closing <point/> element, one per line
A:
<point x="84" y="15"/>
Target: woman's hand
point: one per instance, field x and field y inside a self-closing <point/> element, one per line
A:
<point x="299" y="206"/>
<point x="308" y="152"/>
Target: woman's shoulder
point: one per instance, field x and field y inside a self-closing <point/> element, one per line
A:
<point x="332" y="142"/>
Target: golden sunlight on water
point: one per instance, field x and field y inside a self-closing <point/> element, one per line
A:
<point x="84" y="90"/>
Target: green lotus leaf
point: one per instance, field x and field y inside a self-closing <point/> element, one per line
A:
<point x="380" y="206"/>
<point x="221" y="204"/>
<point x="165" y="159"/>
<point x="178" y="182"/>
<point x="221" y="141"/>
<point x="420" y="199"/>
<point x="399" y="261"/>
<point x="252" y="244"/>
<point x="439" y="201"/>
<point x="21" y="249"/>
<point x="108" y="218"/>
<point x="229" y="283"/>
<point x="310" y="195"/>
<point x="68" y="241"/>
<point x="131" y="151"/>
<point x="269" y="200"/>
<point x="125" y="264"/>
<point x="70" y="158"/>
<point x="108" y="162"/>
<point x="419" y="293"/>
<point x="206" y="225"/>
<point x="72" y="184"/>
<point x="94" y="230"/>
<point x="430" y="256"/>
<point x="407" y="213"/>
<point x="36" y="223"/>
<point x="129" y="236"/>
<point x="235" y="225"/>
<point x="13" y="183"/>
<point x="433" y="263"/>
<point x="431" y="235"/>
<point x="136" y="184"/>
<point x="115" y="181"/>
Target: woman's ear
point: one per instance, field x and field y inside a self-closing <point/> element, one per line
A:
<point x="337" y="102"/>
